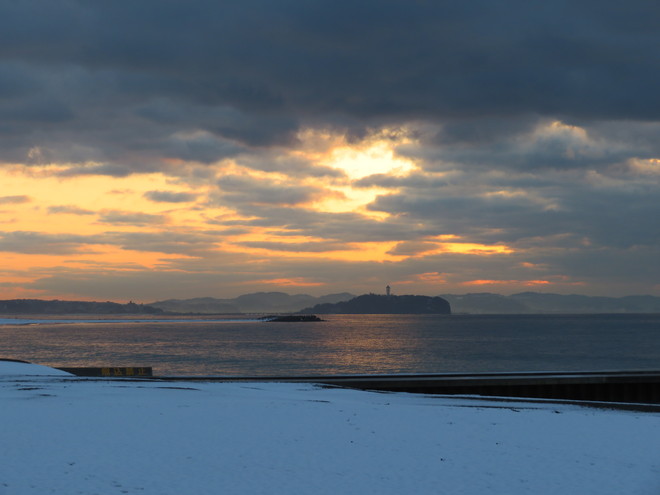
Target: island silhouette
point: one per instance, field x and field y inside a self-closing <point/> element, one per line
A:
<point x="383" y="304"/>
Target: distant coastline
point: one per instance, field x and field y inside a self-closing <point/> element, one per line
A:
<point x="57" y="307"/>
<point x="264" y="303"/>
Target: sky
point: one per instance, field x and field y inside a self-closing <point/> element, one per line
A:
<point x="174" y="149"/>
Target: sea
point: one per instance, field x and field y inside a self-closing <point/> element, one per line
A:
<point x="339" y="345"/>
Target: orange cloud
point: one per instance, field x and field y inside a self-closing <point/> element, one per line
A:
<point x="288" y="282"/>
<point x="439" y="245"/>
<point x="435" y="277"/>
<point x="530" y="283"/>
<point x="473" y="248"/>
<point x="533" y="266"/>
<point x="427" y="278"/>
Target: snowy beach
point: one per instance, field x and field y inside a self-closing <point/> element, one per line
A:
<point x="67" y="435"/>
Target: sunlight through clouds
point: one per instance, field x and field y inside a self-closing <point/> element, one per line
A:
<point x="375" y="154"/>
<point x="369" y="159"/>
<point x="327" y="147"/>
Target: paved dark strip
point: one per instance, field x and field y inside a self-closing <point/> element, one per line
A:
<point x="634" y="390"/>
<point x="639" y="387"/>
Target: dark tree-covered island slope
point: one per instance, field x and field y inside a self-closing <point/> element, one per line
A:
<point x="380" y="304"/>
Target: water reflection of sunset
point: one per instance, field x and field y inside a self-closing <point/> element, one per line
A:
<point x="371" y="343"/>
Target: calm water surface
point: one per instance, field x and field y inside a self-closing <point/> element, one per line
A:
<point x="346" y="344"/>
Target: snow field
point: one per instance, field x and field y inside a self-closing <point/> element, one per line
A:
<point x="82" y="436"/>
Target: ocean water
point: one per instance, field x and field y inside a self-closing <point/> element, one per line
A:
<point x="343" y="344"/>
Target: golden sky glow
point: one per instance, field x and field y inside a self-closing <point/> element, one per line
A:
<point x="374" y="155"/>
<point x="93" y="208"/>
<point x="84" y="214"/>
<point x="290" y="282"/>
<point x="374" y="158"/>
<point x="135" y="165"/>
<point x="194" y="217"/>
<point x="529" y="283"/>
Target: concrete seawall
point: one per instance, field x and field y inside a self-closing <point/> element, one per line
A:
<point x="642" y="387"/>
<point x="623" y="387"/>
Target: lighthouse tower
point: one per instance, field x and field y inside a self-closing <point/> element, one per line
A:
<point x="388" y="290"/>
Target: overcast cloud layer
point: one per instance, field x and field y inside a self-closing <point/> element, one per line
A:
<point x="526" y="137"/>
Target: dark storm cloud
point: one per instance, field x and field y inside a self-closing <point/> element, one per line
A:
<point x="621" y="218"/>
<point x="616" y="265"/>
<point x="38" y="243"/>
<point x="70" y="209"/>
<point x="224" y="123"/>
<point x="536" y="146"/>
<point x="252" y="72"/>
<point x="38" y="110"/>
<point x="413" y="181"/>
<point x="170" y="197"/>
<point x="16" y="80"/>
<point x="297" y="247"/>
<point x="185" y="243"/>
<point x="168" y="242"/>
<point x="291" y="166"/>
<point x="130" y="218"/>
<point x="112" y="170"/>
<point x="408" y="248"/>
<point x="14" y="200"/>
<point x="476" y="219"/>
<point x="239" y="190"/>
<point x="480" y="130"/>
<point x="615" y="213"/>
<point x="344" y="227"/>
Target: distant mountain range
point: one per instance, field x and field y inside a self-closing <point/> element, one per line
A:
<point x="535" y="302"/>
<point x="259" y="302"/>
<point x="280" y="302"/>
<point x="479" y="303"/>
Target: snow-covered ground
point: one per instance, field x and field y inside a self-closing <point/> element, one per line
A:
<point x="70" y="436"/>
